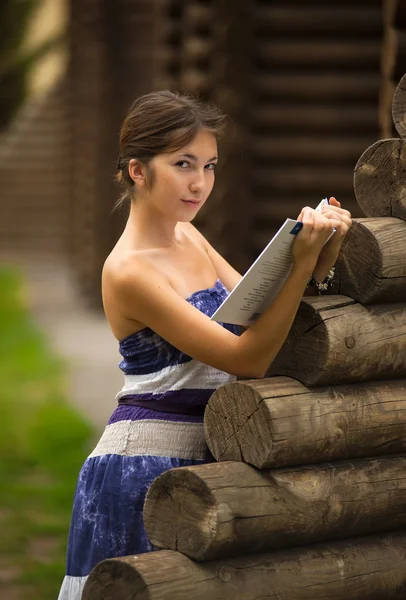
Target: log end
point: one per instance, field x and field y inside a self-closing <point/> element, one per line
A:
<point x="115" y="579"/>
<point x="304" y="353"/>
<point x="237" y="425"/>
<point x="136" y="577"/>
<point x="170" y="523"/>
<point x="222" y="422"/>
<point x="380" y="179"/>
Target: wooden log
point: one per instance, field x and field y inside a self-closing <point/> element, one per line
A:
<point x="314" y="53"/>
<point x="371" y="267"/>
<point x="334" y="340"/>
<point x="302" y="180"/>
<point x="231" y="509"/>
<point x="288" y="149"/>
<point x="380" y="179"/>
<point x="279" y="422"/>
<point x="333" y="117"/>
<point x="200" y="13"/>
<point x="194" y="80"/>
<point x="318" y="20"/>
<point x="197" y="48"/>
<point x="372" y="568"/>
<point x="399" y="107"/>
<point x="327" y="88"/>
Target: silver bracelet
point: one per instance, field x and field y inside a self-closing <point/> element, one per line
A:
<point x="322" y="286"/>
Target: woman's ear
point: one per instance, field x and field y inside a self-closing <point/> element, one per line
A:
<point x="137" y="172"/>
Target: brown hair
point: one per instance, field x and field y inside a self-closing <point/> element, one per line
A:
<point x="161" y="122"/>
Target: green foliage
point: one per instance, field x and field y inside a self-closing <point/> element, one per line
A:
<point x="43" y="442"/>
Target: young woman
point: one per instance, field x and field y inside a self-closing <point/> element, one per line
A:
<point x="161" y="283"/>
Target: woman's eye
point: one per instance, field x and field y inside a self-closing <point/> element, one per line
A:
<point x="183" y="164"/>
<point x="211" y="166"/>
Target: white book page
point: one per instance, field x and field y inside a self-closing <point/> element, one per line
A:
<point x="262" y="282"/>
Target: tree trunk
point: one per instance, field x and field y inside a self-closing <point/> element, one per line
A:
<point x="230" y="509"/>
<point x="372" y="264"/>
<point x="380" y="179"/>
<point x="334" y="340"/>
<point x="372" y="568"/>
<point x="279" y="422"/>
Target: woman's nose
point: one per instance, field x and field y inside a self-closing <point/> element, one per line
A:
<point x="197" y="182"/>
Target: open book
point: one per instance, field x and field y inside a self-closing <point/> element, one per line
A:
<point x="263" y="280"/>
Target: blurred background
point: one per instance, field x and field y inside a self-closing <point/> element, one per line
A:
<point x="308" y="86"/>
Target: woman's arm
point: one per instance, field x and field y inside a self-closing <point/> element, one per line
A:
<point x="144" y="294"/>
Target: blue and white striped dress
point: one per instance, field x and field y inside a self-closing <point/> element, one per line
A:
<point x="139" y="443"/>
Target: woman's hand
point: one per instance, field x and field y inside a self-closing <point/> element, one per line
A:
<point x="342" y="223"/>
<point x="312" y="238"/>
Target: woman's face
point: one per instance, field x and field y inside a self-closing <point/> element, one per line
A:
<point x="184" y="179"/>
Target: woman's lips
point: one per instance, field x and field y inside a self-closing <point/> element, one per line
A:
<point x="194" y="202"/>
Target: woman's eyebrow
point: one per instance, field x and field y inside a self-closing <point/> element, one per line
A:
<point x="193" y="157"/>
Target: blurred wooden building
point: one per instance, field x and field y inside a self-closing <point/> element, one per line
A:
<point x="306" y="84"/>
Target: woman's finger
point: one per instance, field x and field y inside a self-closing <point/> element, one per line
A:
<point x="303" y="211"/>
<point x="308" y="217"/>
<point x="334" y="202"/>
<point x="338" y="213"/>
<point x="334" y="215"/>
<point x="336" y="209"/>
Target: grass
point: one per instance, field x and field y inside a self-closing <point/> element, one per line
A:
<point x="43" y="442"/>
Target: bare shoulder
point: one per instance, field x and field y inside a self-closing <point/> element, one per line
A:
<point x="131" y="271"/>
<point x="195" y="235"/>
<point x="126" y="276"/>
